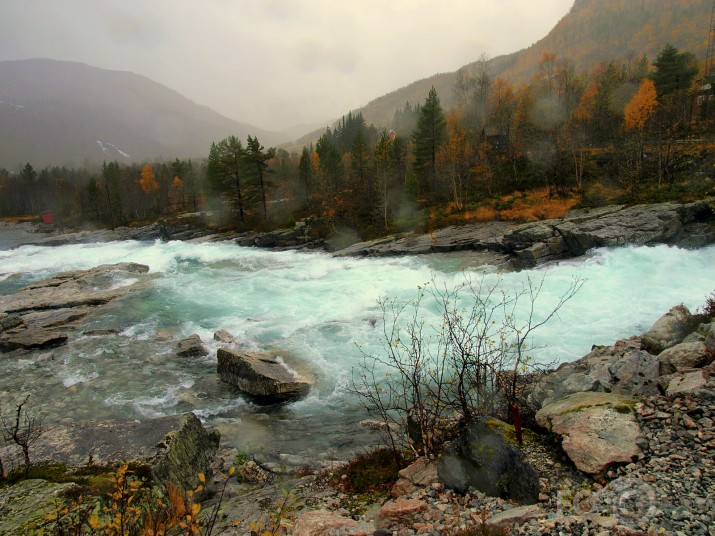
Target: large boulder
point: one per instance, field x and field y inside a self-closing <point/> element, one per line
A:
<point x="670" y="329"/>
<point x="686" y="355"/>
<point x="260" y="375"/>
<point x="597" y="429"/>
<point x="613" y="226"/>
<point x="690" y="382"/>
<point x="175" y="448"/>
<point x="481" y="458"/>
<point x="191" y="346"/>
<point x="622" y="368"/>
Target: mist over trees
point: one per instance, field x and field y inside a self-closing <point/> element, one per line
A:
<point x="623" y="126"/>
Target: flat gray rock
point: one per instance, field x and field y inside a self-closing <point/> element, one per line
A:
<point x="41" y="314"/>
<point x="176" y="447"/>
<point x="32" y="340"/>
<point x="260" y="375"/>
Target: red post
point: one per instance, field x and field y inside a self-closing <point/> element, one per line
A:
<point x="517" y="422"/>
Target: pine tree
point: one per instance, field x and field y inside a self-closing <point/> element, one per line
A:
<point x="359" y="159"/>
<point x="331" y="164"/>
<point x="305" y="171"/>
<point x="226" y="168"/>
<point x="427" y="138"/>
<point x="256" y="156"/>
<point x="674" y="71"/>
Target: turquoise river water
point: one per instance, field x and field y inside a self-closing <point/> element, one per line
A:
<point x="317" y="312"/>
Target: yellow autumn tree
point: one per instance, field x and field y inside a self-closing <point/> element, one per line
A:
<point x="147" y="180"/>
<point x="454" y="160"/>
<point x="641" y="107"/>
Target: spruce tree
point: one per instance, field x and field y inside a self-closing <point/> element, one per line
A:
<point x="256" y="156"/>
<point x="427" y="138"/>
<point x="226" y="167"/>
<point x="674" y="71"/>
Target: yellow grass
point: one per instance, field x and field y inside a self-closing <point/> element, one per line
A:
<point x="537" y="205"/>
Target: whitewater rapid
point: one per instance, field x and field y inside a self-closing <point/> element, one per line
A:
<point x="320" y="313"/>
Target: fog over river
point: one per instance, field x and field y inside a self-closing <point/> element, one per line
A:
<point x="318" y="312"/>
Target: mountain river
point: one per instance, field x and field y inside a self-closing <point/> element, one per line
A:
<point x="319" y="313"/>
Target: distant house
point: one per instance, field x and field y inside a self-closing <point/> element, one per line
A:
<point x="497" y="141"/>
<point x="702" y="102"/>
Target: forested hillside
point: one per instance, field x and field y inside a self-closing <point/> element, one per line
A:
<point x="592" y="32"/>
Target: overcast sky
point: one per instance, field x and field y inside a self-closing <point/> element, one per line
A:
<point x="275" y="63"/>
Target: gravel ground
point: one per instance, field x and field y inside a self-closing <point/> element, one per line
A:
<point x="670" y="489"/>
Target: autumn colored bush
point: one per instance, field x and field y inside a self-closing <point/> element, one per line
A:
<point x="133" y="507"/>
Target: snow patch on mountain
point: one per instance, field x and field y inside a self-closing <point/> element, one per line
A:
<point x="19" y="106"/>
<point x="107" y="149"/>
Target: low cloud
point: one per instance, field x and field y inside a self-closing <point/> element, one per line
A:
<point x="276" y="63"/>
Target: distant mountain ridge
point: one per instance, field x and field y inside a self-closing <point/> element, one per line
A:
<point x="591" y="32"/>
<point x="60" y="112"/>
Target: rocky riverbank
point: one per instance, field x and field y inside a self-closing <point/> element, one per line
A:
<point x="498" y="243"/>
<point x="531" y="244"/>
<point x="638" y="456"/>
<point x="658" y="480"/>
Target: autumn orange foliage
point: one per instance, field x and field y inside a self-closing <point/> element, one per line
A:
<point x="641" y="107"/>
<point x="147" y="181"/>
<point x="533" y="205"/>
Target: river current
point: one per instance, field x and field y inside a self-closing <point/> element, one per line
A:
<point x="319" y="313"/>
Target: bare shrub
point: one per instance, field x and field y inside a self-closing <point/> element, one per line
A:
<point x="467" y="363"/>
<point x="23" y="430"/>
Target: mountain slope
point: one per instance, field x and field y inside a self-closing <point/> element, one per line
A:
<point x="593" y="31"/>
<point x="57" y="112"/>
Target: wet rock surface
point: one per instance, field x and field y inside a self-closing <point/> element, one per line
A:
<point x="485" y="238"/>
<point x="191" y="346"/>
<point x="260" y="375"/>
<point x="496" y="243"/>
<point x="41" y="315"/>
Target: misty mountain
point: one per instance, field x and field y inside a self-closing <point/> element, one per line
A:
<point x="58" y="112"/>
<point x="593" y="31"/>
